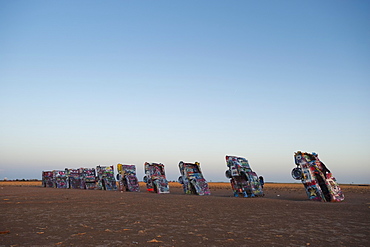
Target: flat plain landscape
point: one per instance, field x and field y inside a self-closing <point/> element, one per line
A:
<point x="31" y="215"/>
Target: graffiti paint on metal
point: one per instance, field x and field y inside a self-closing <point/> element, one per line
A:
<point x="318" y="181"/>
<point x="155" y="178"/>
<point x="47" y="179"/>
<point x="60" y="179"/>
<point x="243" y="180"/>
<point x="192" y="179"/>
<point x="106" y="180"/>
<point x="127" y="178"/>
<point x="89" y="178"/>
<point x="75" y="178"/>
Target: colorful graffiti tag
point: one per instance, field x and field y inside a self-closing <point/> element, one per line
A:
<point x="318" y="181"/>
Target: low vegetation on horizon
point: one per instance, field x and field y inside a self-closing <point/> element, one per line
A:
<point x="212" y="185"/>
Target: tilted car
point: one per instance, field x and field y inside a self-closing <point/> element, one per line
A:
<point x="192" y="179"/>
<point x="75" y="178"/>
<point x="105" y="178"/>
<point x="318" y="181"/>
<point x="155" y="178"/>
<point x="242" y="179"/>
<point x="127" y="178"/>
<point x="60" y="179"/>
<point x="89" y="178"/>
<point x="47" y="179"/>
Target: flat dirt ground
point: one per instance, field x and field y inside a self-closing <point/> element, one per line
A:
<point x="34" y="216"/>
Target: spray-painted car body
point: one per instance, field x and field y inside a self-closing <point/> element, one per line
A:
<point x="242" y="179"/>
<point x="127" y="178"/>
<point x="192" y="179"/>
<point x="318" y="181"/>
<point x="106" y="180"/>
<point x="155" y="178"/>
<point x="89" y="178"/>
<point x="75" y="178"/>
<point x="47" y="179"/>
<point x="60" y="179"/>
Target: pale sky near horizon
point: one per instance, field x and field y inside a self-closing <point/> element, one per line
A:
<point x="87" y="83"/>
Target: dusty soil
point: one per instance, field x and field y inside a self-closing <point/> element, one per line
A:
<point x="34" y="216"/>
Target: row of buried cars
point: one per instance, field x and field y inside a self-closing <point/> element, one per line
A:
<point x="318" y="181"/>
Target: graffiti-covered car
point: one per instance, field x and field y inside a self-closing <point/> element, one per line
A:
<point x="89" y="178"/>
<point x="155" y="178"/>
<point x="192" y="179"/>
<point x="47" y="179"/>
<point x="127" y="178"/>
<point x="75" y="178"/>
<point x="318" y="181"/>
<point x="60" y="179"/>
<point x="105" y="177"/>
<point x="243" y="180"/>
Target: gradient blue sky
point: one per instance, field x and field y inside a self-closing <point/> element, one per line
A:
<point x="86" y="83"/>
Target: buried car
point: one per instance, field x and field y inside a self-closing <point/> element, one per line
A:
<point x="60" y="179"/>
<point x="192" y="179"/>
<point x="75" y="178"/>
<point x="106" y="180"/>
<point x="89" y="178"/>
<point x="242" y="179"/>
<point x="127" y="178"/>
<point x="47" y="179"/>
<point x="318" y="181"/>
<point x="155" y="178"/>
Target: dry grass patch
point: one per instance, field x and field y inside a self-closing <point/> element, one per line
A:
<point x="20" y="183"/>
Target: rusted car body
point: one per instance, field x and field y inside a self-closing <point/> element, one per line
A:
<point x="60" y="179"/>
<point x="155" y="178"/>
<point x="47" y="179"/>
<point x="318" y="181"/>
<point x="89" y="178"/>
<point x="243" y="180"/>
<point x="105" y="178"/>
<point x="192" y="179"/>
<point x="75" y="178"/>
<point x="127" y="178"/>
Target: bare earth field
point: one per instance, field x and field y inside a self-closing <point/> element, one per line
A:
<point x="34" y="216"/>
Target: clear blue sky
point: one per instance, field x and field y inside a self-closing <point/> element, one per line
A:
<point x="86" y="83"/>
